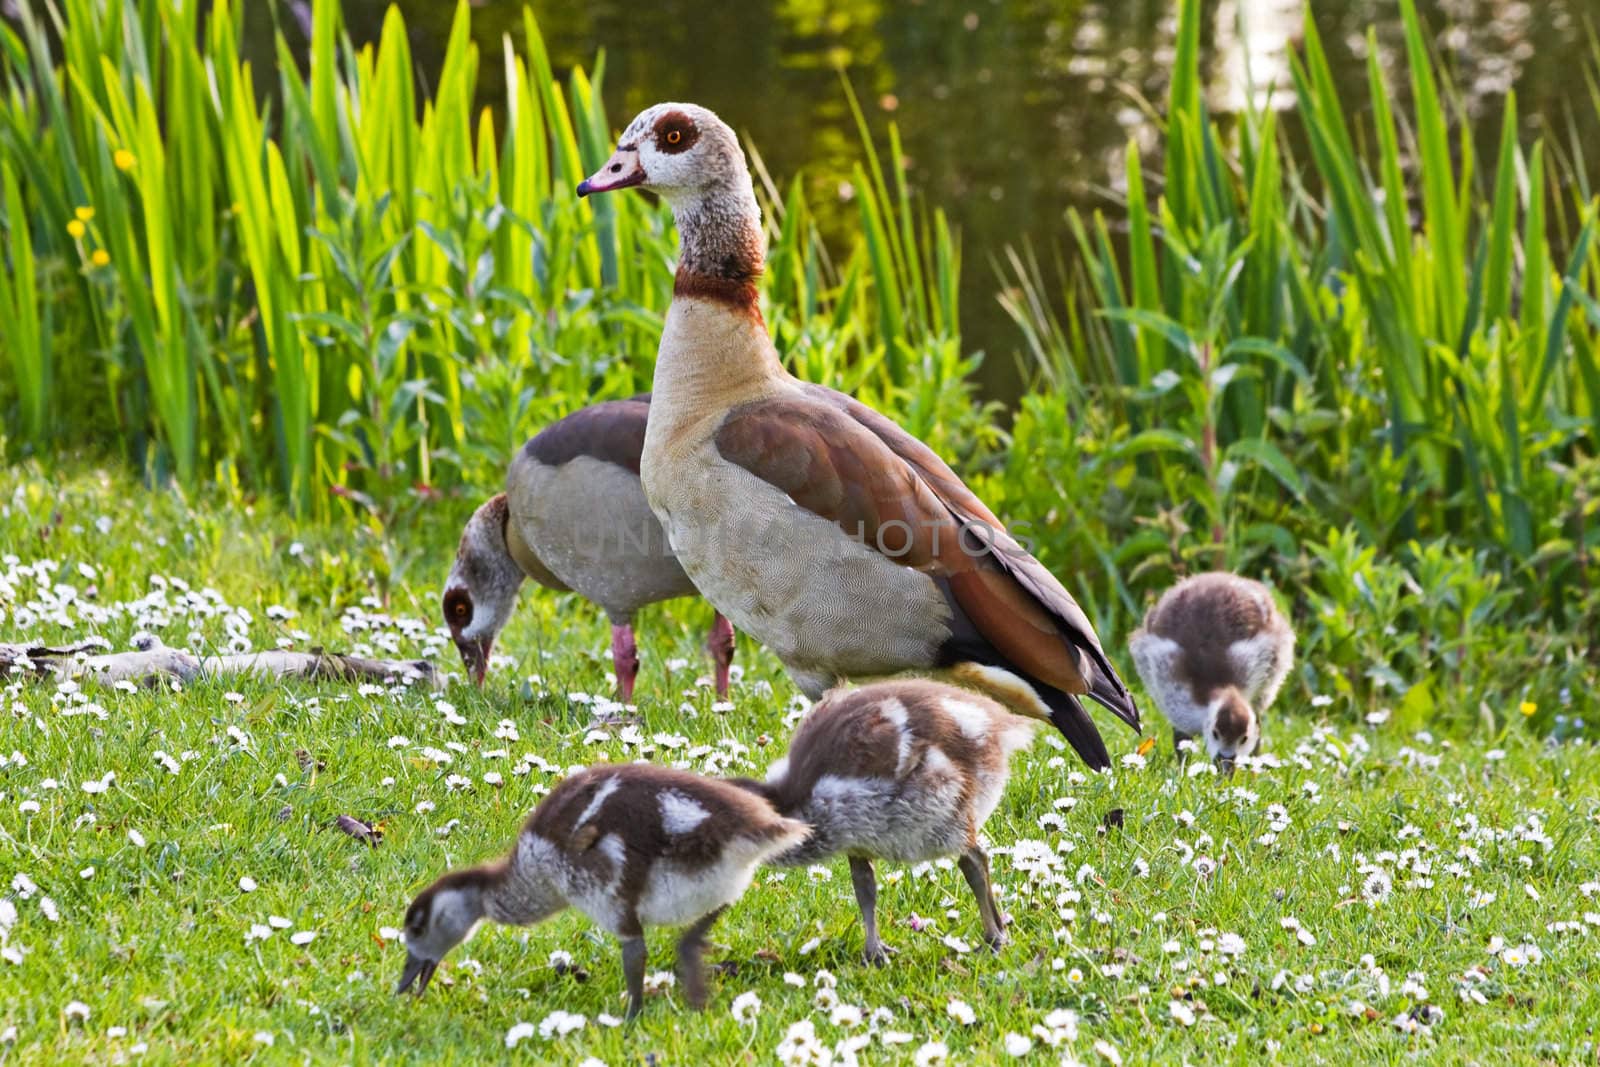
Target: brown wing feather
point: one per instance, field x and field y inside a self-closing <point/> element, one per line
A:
<point x="1034" y="583"/>
<point x="843" y="461"/>
<point x="612" y="431"/>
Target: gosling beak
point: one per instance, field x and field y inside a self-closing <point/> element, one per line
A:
<point x="1225" y="765"/>
<point x="417" y="970"/>
<point x="621" y="171"/>
<point x="475" y="654"/>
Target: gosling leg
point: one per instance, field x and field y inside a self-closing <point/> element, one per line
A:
<point x="691" y="971"/>
<point x="865" y="882"/>
<point x="633" y="956"/>
<point x="974" y="864"/>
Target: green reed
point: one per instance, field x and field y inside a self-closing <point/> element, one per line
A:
<point x="1277" y="346"/>
<point x="216" y="298"/>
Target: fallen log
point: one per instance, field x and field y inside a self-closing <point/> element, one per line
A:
<point x="148" y="665"/>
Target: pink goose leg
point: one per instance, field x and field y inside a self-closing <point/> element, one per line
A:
<point x="720" y="644"/>
<point x="624" y="660"/>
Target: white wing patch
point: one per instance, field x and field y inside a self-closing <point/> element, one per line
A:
<point x="614" y="849"/>
<point x="970" y="718"/>
<point x="934" y="761"/>
<point x="1016" y="733"/>
<point x="939" y="785"/>
<point x="600" y="899"/>
<point x="1253" y="660"/>
<point x="894" y="713"/>
<point x="602" y="792"/>
<point x="1156" y="659"/>
<point x="680" y="814"/>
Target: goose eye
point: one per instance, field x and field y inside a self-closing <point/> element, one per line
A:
<point x="674" y="136"/>
<point x="460" y="609"/>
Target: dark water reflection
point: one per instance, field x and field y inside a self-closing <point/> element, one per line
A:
<point x="1010" y="111"/>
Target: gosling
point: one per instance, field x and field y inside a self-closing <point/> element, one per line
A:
<point x="630" y="846"/>
<point x="903" y="771"/>
<point x="1213" y="653"/>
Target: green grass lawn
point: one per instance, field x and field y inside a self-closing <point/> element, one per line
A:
<point x="1363" y="896"/>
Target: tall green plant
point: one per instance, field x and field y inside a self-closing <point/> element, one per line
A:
<point x="1282" y="315"/>
<point x="211" y="250"/>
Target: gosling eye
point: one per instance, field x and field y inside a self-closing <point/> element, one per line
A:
<point x="674" y="136"/>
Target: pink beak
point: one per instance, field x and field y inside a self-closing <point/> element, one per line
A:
<point x="621" y="171"/>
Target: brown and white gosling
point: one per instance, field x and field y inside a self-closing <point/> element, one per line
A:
<point x="573" y="517"/>
<point x="630" y="846"/>
<point x="904" y="771"/>
<point x="1213" y="653"/>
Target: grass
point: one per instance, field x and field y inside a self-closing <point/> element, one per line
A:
<point x="153" y="938"/>
<point x="333" y="303"/>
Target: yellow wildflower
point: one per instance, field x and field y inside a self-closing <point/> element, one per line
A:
<point x="100" y="257"/>
<point x="84" y="213"/>
<point x="1529" y="707"/>
<point x="75" y="228"/>
<point x="124" y="159"/>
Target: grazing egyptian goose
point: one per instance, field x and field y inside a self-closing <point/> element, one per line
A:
<point x="903" y="771"/>
<point x="814" y="523"/>
<point x="1213" y="653"/>
<point x="573" y="517"/>
<point x="630" y="846"/>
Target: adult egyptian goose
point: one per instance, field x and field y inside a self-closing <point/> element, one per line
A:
<point x="1213" y="653"/>
<point x="630" y="846"/>
<point x="573" y="517"/>
<point x="814" y="523"/>
<point x="904" y="771"/>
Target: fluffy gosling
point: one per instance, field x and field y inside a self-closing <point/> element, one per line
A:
<point x="903" y="771"/>
<point x="1213" y="653"/>
<point x="630" y="846"/>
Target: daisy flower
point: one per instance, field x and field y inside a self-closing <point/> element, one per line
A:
<point x="1377" y="887"/>
<point x="746" y="1007"/>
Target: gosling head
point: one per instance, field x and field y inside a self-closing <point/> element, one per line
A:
<point x="482" y="587"/>
<point x="1232" y="729"/>
<point x="681" y="151"/>
<point x="442" y="916"/>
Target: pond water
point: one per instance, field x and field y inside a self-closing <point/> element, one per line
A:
<point x="1011" y="111"/>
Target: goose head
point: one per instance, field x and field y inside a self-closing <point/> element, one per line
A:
<point x="440" y="918"/>
<point x="682" y="151"/>
<point x="482" y="587"/>
<point x="1232" y="729"/>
